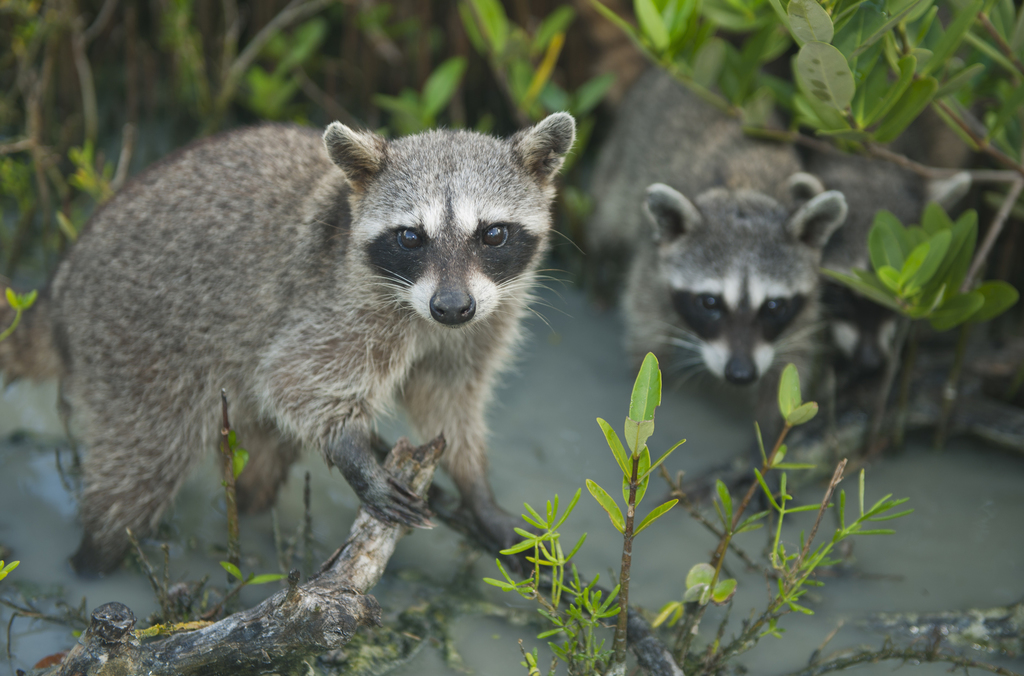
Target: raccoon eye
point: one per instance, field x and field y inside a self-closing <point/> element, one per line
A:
<point x="710" y="303"/>
<point x="775" y="307"/>
<point x="496" y="235"/>
<point x="409" y="239"/>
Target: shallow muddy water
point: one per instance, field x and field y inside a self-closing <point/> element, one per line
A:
<point x="963" y="547"/>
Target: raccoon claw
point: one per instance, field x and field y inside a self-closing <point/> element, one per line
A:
<point x="400" y="506"/>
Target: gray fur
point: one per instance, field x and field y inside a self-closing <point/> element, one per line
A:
<point x="663" y="133"/>
<point x="241" y="262"/>
<point x="861" y="330"/>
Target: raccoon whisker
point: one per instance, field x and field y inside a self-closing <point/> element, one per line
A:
<point x="569" y="240"/>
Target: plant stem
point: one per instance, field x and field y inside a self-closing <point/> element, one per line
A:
<point x="234" y="548"/>
<point x="949" y="389"/>
<point x="905" y="378"/>
<point x="906" y="655"/>
<point x="1018" y="380"/>
<point x="981" y="255"/>
<point x="878" y="416"/>
<point x="719" y="555"/>
<point x="619" y="643"/>
<point x="684" y="637"/>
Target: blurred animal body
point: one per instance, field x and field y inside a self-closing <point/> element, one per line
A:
<point x="861" y="330"/>
<point x="727" y="236"/>
<point x="320" y="282"/>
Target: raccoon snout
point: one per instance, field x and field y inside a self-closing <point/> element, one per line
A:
<point x="740" y="370"/>
<point x="452" y="307"/>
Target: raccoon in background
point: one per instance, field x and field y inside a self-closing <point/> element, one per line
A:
<point x="862" y="331"/>
<point x="663" y="133"/>
<point x="727" y="235"/>
<point x="320" y="281"/>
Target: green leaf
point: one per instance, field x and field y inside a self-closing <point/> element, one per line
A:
<point x="809" y="22"/>
<point x="918" y="95"/>
<point x="642" y="471"/>
<point x="802" y="414"/>
<point x="637" y="434"/>
<point x="494" y="22"/>
<point x="960" y="80"/>
<point x="767" y="491"/>
<point x="590" y="93"/>
<point x="647" y="389"/>
<point x="999" y="297"/>
<point x="655" y="513"/>
<point x="956" y="310"/>
<point x="606" y="502"/>
<point x="553" y="24"/>
<point x="666" y="611"/>
<point x="521" y="547"/>
<point x="269" y="577"/>
<point x="723" y="495"/>
<point x="955" y="33"/>
<point x="239" y="459"/>
<point x="616" y="19"/>
<point x="789" y="390"/>
<point x="695" y="593"/>
<point x="869" y="287"/>
<point x="723" y="591"/>
<point x="886" y="27"/>
<point x="823" y="74"/>
<point x="913" y="263"/>
<point x="702" y="573"/>
<point x="937" y="247"/>
<point x="651" y="24"/>
<point x="885" y="242"/>
<point x="708" y="62"/>
<point x="232" y="569"/>
<point x="441" y="85"/>
<point x="504" y="586"/>
<point x="663" y="457"/>
<point x="906" y="65"/>
<point x="616" y="445"/>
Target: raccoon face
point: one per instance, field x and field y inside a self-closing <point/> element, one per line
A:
<point x="452" y="223"/>
<point x="862" y="331"/>
<point x="741" y="273"/>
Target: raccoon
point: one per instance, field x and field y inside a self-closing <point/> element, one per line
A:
<point x="320" y="281"/>
<point x="664" y="133"/>
<point x="861" y="330"/>
<point x="729" y="283"/>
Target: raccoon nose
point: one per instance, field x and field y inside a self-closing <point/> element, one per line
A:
<point x="740" y="370"/>
<point x="452" y="307"/>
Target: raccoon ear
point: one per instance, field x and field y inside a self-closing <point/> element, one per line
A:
<point x="671" y="214"/>
<point x="803" y="186"/>
<point x="542" y="147"/>
<point x="948" y="191"/>
<point x="360" y="154"/>
<point x="814" y="222"/>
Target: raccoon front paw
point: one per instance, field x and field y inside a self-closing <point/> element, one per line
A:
<point x="393" y="503"/>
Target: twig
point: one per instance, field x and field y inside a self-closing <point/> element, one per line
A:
<point x="16" y="146"/>
<point x="234" y="545"/>
<point x="90" y="109"/>
<point x="949" y="389"/>
<point x="677" y="492"/>
<point x="828" y="639"/>
<point x="981" y="255"/>
<point x="320" y="97"/>
<point x="979" y="140"/>
<point x="878" y="415"/>
<point x="893" y="653"/>
<point x="904" y="397"/>
<point x="837" y="476"/>
<point x="294" y="11"/>
<point x="100" y="22"/>
<point x="1004" y="47"/>
<point x="125" y="159"/>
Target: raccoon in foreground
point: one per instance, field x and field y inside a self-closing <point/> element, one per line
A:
<point x="319" y="282"/>
<point x="727" y="235"/>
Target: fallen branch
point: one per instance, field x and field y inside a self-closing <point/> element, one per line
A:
<point x="285" y="631"/>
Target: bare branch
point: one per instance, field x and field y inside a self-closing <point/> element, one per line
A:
<point x="100" y="22"/>
<point x="981" y="255"/>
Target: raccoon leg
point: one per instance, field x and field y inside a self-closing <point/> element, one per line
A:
<point x="128" y="484"/>
<point x="383" y="496"/>
<point x="444" y="398"/>
<point x="270" y="457"/>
